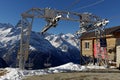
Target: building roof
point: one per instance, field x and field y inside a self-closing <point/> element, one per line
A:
<point x="109" y="31"/>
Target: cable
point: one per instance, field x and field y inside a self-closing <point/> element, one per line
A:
<point x="115" y="17"/>
<point x="71" y="5"/>
<point x="95" y="3"/>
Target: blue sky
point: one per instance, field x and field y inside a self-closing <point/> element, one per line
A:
<point x="10" y="11"/>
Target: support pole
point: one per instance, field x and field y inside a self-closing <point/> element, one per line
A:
<point x="21" y="53"/>
<point x="24" y="42"/>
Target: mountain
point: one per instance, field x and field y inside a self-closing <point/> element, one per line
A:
<point x="63" y="41"/>
<point x="47" y="48"/>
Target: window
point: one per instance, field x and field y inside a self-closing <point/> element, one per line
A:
<point x="87" y="44"/>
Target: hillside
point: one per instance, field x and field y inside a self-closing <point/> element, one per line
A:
<point x="47" y="48"/>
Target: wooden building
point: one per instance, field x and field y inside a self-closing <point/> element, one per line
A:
<point x="88" y="41"/>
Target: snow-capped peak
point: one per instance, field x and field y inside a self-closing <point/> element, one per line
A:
<point x="63" y="41"/>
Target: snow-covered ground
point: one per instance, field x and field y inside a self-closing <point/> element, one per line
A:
<point x="17" y="74"/>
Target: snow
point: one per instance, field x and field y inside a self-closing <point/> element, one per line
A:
<point x="32" y="48"/>
<point x="68" y="67"/>
<point x="7" y="35"/>
<point x="95" y="67"/>
<point x="12" y="74"/>
<point x="5" y="31"/>
<point x="17" y="74"/>
<point x="63" y="39"/>
<point x="54" y="40"/>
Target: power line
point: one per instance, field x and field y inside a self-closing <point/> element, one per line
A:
<point x="95" y="3"/>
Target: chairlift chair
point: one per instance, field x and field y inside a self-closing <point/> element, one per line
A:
<point x="47" y="63"/>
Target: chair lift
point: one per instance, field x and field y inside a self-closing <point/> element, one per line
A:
<point x="47" y="63"/>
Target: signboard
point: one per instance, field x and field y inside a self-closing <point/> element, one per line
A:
<point x="100" y="51"/>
